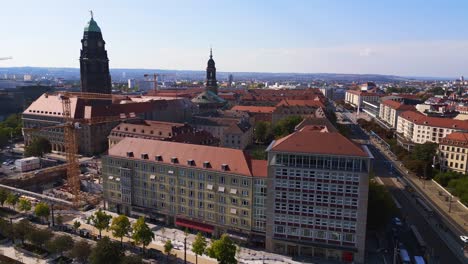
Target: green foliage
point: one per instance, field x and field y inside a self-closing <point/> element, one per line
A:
<point x="199" y="245"/>
<point x="3" y="196"/>
<point x="424" y="152"/>
<point x="223" y="250"/>
<point x="409" y="90"/>
<point x="22" y="229"/>
<point x="120" y="227"/>
<point x="168" y="246"/>
<point x="132" y="259"/>
<point x="39" y="236"/>
<point x="60" y="244"/>
<point x="5" y="228"/>
<point x="380" y="206"/>
<point x="24" y="205"/>
<point x="9" y="128"/>
<point x="257" y="152"/>
<point x="59" y="220"/>
<point x="142" y="234"/>
<point x="42" y="210"/>
<point x="262" y="131"/>
<point x="106" y="251"/>
<point x="286" y="126"/>
<point x="76" y="225"/>
<point x="100" y="220"/>
<point x="12" y="199"/>
<point x="436" y="91"/>
<point x="81" y="251"/>
<point x="443" y="178"/>
<point x="38" y="147"/>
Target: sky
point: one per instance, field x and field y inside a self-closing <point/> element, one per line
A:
<point x="401" y="37"/>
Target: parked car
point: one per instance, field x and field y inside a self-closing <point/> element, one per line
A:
<point x="464" y="239"/>
<point x="396" y="221"/>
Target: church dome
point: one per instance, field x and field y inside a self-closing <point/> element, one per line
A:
<point x="92" y="26"/>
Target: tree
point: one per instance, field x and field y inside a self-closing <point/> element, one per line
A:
<point x="5" y="228"/>
<point x="24" y="205"/>
<point x="100" y="220"/>
<point x="262" y="131"/>
<point x="12" y="199"/>
<point x="22" y="229"/>
<point x="59" y="220"/>
<point x="76" y="225"/>
<point x="380" y="206"/>
<point x="3" y="196"/>
<point x="81" y="251"/>
<point x="42" y="210"/>
<point x="132" y="259"/>
<point x="60" y="244"/>
<point x="106" y="251"/>
<point x="286" y="126"/>
<point x="142" y="234"/>
<point x="168" y="248"/>
<point x="38" y="147"/>
<point x="199" y="246"/>
<point x="223" y="250"/>
<point x="120" y="227"/>
<point x="39" y="237"/>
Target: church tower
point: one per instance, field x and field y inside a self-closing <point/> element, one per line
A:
<point x="94" y="64"/>
<point x="211" y="83"/>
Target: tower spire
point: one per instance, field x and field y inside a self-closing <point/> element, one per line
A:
<point x="92" y="16"/>
<point x="211" y="53"/>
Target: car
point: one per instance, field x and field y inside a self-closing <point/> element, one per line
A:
<point x="396" y="221"/>
<point x="464" y="239"/>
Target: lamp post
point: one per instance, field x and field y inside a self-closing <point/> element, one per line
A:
<point x="450" y="203"/>
<point x="12" y="231"/>
<point x="185" y="250"/>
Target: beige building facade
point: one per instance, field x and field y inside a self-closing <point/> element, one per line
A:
<point x="453" y="152"/>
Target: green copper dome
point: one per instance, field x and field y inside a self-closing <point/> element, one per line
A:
<point x="92" y="26"/>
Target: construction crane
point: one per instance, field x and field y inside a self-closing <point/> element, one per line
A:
<point x="70" y="127"/>
<point x="155" y="79"/>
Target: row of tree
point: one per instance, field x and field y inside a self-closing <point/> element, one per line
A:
<point x="10" y="128"/>
<point x="264" y="132"/>
<point x="457" y="184"/>
<point x="223" y="249"/>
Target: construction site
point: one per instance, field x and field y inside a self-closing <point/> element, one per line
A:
<point x="66" y="177"/>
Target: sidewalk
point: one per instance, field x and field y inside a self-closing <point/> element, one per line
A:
<point x="435" y="193"/>
<point x="162" y="234"/>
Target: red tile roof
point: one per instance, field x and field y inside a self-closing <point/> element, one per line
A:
<point x="455" y="139"/>
<point x="238" y="162"/>
<point x="254" y="109"/>
<point x="398" y="105"/>
<point x="260" y="168"/>
<point x="310" y="140"/>
<point x="310" y="103"/>
<point x="421" y="119"/>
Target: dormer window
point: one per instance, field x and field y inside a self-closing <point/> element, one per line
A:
<point x="129" y="154"/>
<point x="159" y="158"/>
<point x="191" y="162"/>
<point x="174" y="160"/>
<point x="144" y="156"/>
<point x="224" y="167"/>
<point x="206" y="164"/>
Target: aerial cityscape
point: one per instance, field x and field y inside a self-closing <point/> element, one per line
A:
<point x="155" y="132"/>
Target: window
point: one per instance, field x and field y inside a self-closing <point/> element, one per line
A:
<point x="245" y="193"/>
<point x="280" y="229"/>
<point x="234" y="201"/>
<point x="245" y="202"/>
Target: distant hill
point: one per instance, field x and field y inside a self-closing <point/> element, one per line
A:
<point x="124" y="74"/>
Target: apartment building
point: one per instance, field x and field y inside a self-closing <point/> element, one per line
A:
<point x="204" y="188"/>
<point x="231" y="132"/>
<point x="453" y="152"/>
<point x="317" y="195"/>
<point x="414" y="127"/>
<point x="390" y="110"/>
<point x="356" y="98"/>
<point x="158" y="130"/>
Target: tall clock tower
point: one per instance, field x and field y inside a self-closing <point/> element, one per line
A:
<point x="94" y="64"/>
<point x="211" y="82"/>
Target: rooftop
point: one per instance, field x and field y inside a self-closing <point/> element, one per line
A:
<point x="398" y="105"/>
<point x="310" y="139"/>
<point x="254" y="109"/>
<point x="421" y="119"/>
<point x="455" y="139"/>
<point x="188" y="155"/>
<point x="311" y="103"/>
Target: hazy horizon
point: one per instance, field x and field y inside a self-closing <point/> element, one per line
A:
<point x="363" y="37"/>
